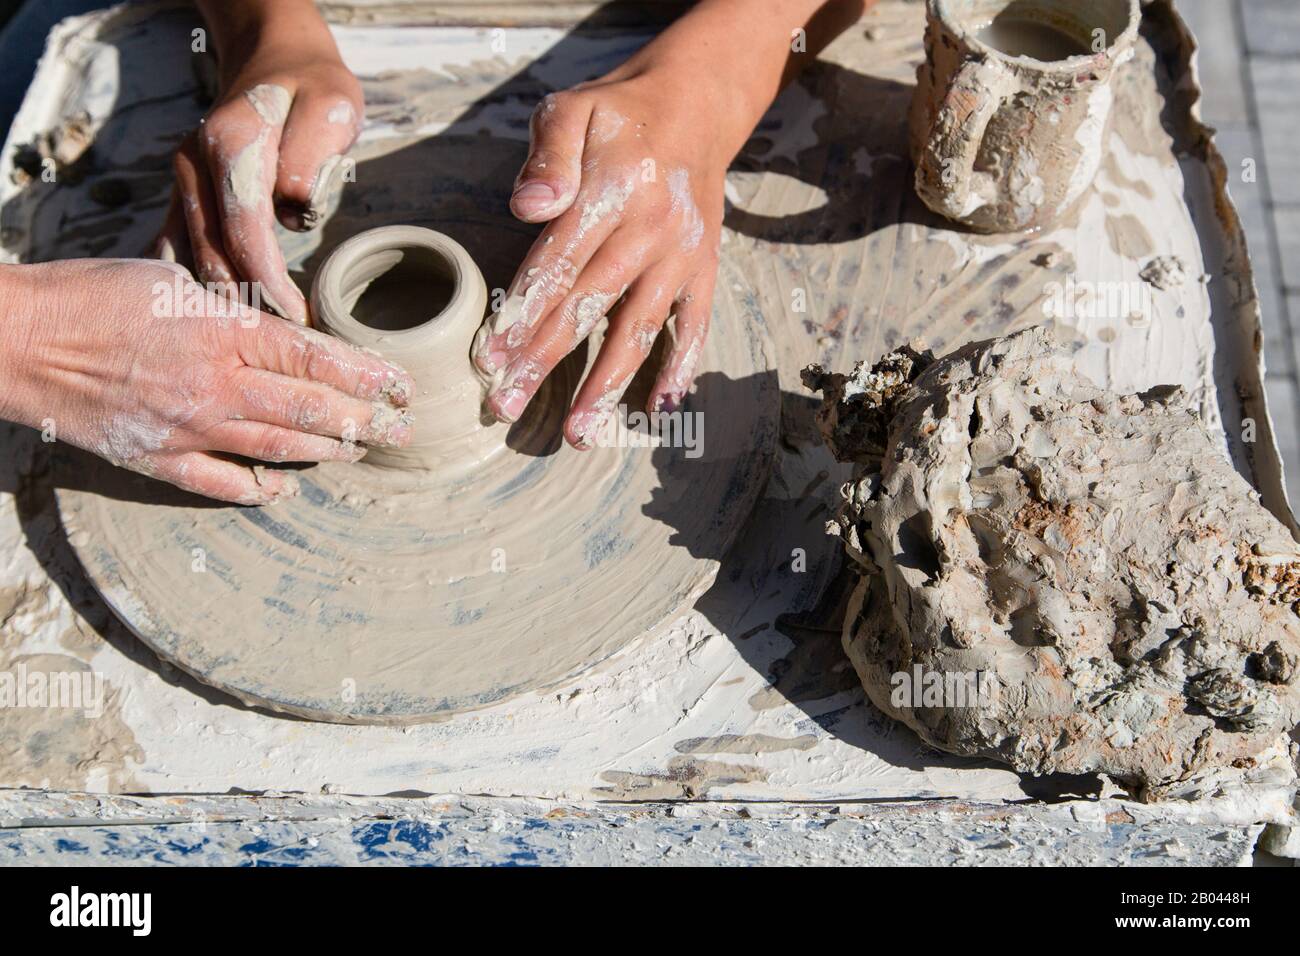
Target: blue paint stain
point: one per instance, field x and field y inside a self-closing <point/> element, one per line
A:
<point x="461" y="616"/>
<point x="333" y="616"/>
<point x="526" y="478"/>
<point x="186" y="849"/>
<point x="399" y="838"/>
<point x="313" y="493"/>
<point x="603" y="544"/>
<point x="282" y="606"/>
<point x="278" y="530"/>
<point x="264" y="853"/>
<point x="540" y="754"/>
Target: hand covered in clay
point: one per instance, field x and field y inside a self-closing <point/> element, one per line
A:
<point x="134" y="361"/>
<point x="271" y="147"/>
<point x="629" y="172"/>
<point x="633" y="194"/>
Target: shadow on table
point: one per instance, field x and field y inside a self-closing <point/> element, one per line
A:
<point x="784" y="552"/>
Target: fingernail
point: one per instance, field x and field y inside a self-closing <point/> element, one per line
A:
<point x="533" y="199"/>
<point x="587" y="426"/>
<point x="291" y="219"/>
<point x="388" y="426"/>
<point x="508" y="400"/>
<point x="491" y="360"/>
<point x="667" y="403"/>
<point x="298" y="310"/>
<point x="509" y="403"/>
<point x="294" y="311"/>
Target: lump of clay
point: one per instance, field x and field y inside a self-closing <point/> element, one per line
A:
<point x="1088" y="563"/>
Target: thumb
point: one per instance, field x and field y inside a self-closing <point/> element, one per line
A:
<point x="549" y="180"/>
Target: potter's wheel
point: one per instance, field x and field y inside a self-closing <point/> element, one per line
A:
<point x="382" y="594"/>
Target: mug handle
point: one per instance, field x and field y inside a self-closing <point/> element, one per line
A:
<point x="945" y="175"/>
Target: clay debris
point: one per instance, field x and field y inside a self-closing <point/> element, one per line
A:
<point x="1164" y="272"/>
<point x="68" y="148"/>
<point x="1093" y="557"/>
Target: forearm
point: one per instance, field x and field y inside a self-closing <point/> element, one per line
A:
<point x="739" y="54"/>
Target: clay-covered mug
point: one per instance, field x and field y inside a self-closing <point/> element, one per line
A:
<point x="1012" y="106"/>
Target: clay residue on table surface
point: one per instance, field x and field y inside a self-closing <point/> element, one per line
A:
<point x="45" y="741"/>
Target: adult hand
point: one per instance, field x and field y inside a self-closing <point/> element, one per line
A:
<point x="132" y="360"/>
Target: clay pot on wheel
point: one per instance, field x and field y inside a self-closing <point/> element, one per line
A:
<point x="416" y="297"/>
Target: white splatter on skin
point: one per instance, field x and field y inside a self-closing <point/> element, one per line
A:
<point x="508" y="327"/>
<point x="679" y="187"/>
<point x="588" y="424"/>
<point x="634" y="221"/>
<point x="243" y="150"/>
<point x="605" y="126"/>
<point x="681" y="376"/>
<point x="271" y="102"/>
<point x="328" y="178"/>
<point x="610" y="202"/>
<point x="342" y="115"/>
<point x="645" y="339"/>
<point x="159" y="391"/>
<point x="588" y="312"/>
<point x="559" y="194"/>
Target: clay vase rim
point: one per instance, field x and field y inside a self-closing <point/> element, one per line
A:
<point x="941" y="10"/>
<point x="327" y="287"/>
<point x="449" y="437"/>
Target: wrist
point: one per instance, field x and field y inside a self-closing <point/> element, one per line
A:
<point x="18" y="325"/>
<point x="698" y="56"/>
<point x="697" y="63"/>
<point x="244" y="28"/>
<point x="732" y="102"/>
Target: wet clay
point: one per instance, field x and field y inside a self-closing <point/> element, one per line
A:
<point x="1087" y="560"/>
<point x="416" y="297"/>
<point x="480" y="562"/>
<point x="62" y="720"/>
<point x="1012" y="107"/>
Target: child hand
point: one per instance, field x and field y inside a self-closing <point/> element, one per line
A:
<point x="629" y="172"/>
<point x="633" y="193"/>
<point x="270" y="148"/>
